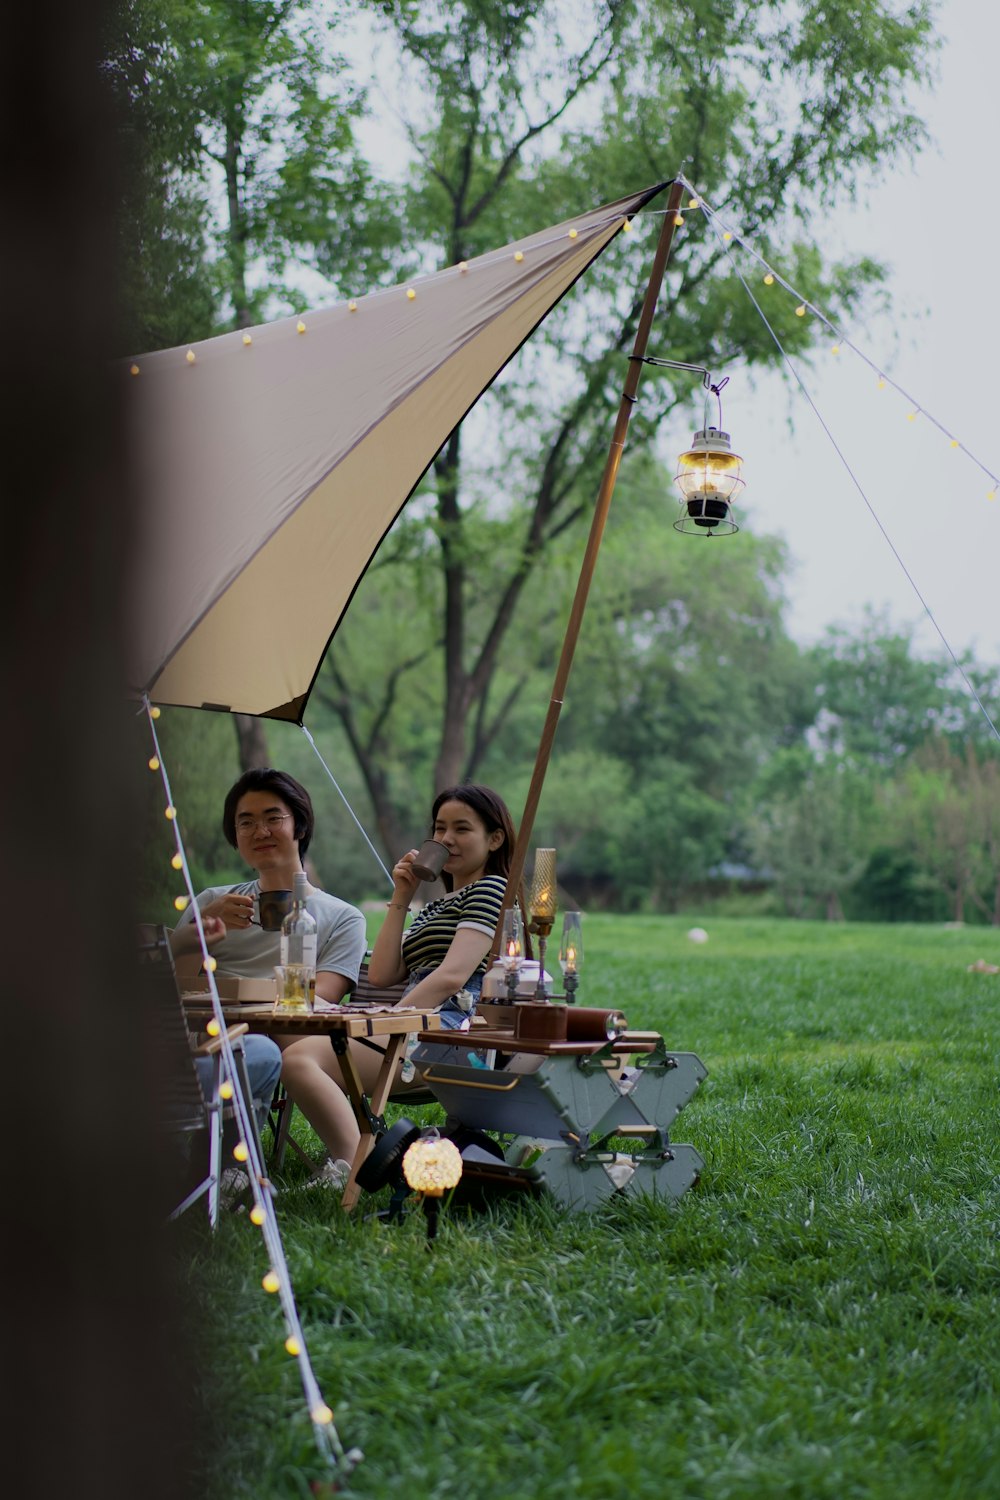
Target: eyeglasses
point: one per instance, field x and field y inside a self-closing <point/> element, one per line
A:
<point x="270" y="822"/>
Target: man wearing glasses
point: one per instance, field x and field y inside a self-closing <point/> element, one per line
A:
<point x="268" y="819"/>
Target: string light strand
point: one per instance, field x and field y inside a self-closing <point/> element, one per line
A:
<point x="861" y="491"/>
<point x="324" y="1429"/>
<point x="842" y="340"/>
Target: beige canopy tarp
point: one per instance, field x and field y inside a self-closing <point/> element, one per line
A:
<point x="273" y="463"/>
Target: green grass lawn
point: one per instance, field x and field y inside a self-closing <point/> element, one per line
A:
<point x="817" y="1318"/>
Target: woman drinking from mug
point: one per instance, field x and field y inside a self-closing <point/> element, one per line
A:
<point x="446" y="948"/>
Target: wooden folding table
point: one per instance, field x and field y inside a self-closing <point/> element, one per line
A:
<point x="342" y="1024"/>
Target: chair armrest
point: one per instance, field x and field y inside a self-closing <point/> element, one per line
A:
<point x="214" y="1043"/>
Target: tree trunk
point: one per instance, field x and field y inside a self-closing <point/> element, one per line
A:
<point x="94" y="1312"/>
<point x="237" y="225"/>
<point x="451" y="754"/>
<point x="252" y="741"/>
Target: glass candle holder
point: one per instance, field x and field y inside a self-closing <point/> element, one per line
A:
<point x="542" y="902"/>
<point x="512" y="949"/>
<point x="542" y="905"/>
<point x="571" y="953"/>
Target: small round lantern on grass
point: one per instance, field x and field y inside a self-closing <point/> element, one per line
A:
<point x="432" y="1166"/>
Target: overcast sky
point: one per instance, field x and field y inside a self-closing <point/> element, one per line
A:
<point x="937" y="227"/>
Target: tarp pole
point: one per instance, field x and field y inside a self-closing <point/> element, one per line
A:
<point x="590" y="556"/>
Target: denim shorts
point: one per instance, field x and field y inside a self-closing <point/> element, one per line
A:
<point x="453" y="1017"/>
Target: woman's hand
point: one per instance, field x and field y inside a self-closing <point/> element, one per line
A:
<point x="403" y="877"/>
<point x="234" y="909"/>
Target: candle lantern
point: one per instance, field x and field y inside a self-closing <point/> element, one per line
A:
<point x="512" y="950"/>
<point x="571" y="953"/>
<point x="542" y="908"/>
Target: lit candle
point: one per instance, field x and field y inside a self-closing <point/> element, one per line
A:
<point x="571" y="950"/>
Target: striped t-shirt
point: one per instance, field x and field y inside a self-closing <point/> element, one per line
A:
<point x="477" y="905"/>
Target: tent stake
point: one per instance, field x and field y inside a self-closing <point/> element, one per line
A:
<point x="603" y="505"/>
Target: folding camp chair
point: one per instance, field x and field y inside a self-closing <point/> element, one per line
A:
<point x="185" y="1105"/>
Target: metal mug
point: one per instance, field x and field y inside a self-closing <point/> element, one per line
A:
<point x="272" y="908"/>
<point x="429" y="860"/>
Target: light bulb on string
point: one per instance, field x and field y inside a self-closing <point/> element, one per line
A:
<point x="170" y="813"/>
<point x="769" y="279"/>
<point x="153" y="763"/>
<point x="225" y="1089"/>
<point x="154" y="713"/>
<point x="270" y="1282"/>
<point x="518" y="256"/>
<point x="410" y="294"/>
<point x="352" y="306"/>
<point x="240" y="1151"/>
<point x="210" y="965"/>
<point x="678" y="219"/>
<point x="800" y="311"/>
<point x="322" y="1415"/>
<point x="177" y="862"/>
<point x="573" y="233"/>
<point x="693" y="202"/>
<point x="257" y="1215"/>
<point x="247" y="340"/>
<point x="292" y="1345"/>
<point x="180" y="902"/>
<point x="212" y="1027"/>
<point x="190" y="356"/>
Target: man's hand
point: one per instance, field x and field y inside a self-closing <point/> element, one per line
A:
<point x="233" y="909"/>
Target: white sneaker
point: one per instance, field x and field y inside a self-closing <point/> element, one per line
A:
<point x="334" y="1174"/>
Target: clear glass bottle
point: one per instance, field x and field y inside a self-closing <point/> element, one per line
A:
<point x="298" y="952"/>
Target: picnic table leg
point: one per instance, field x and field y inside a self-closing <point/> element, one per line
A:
<point x="366" y="1111"/>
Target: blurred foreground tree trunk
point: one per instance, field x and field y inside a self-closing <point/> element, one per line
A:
<point x="90" y="1406"/>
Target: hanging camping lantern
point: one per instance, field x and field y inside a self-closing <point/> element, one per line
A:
<point x="708" y="477"/>
<point x="708" y="474"/>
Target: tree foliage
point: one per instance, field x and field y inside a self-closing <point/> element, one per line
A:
<point x="694" y="730"/>
<point x="523" y="112"/>
<point x="241" y="118"/>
